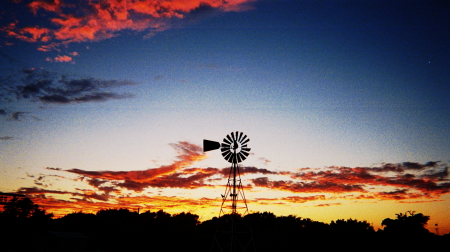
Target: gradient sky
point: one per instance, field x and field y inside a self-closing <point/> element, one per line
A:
<point x="105" y="103"/>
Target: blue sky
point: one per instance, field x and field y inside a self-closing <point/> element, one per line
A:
<point x="314" y="84"/>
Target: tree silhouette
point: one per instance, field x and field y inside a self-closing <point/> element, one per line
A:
<point x="408" y="232"/>
<point x="24" y="208"/>
<point x="353" y="227"/>
<point x="407" y="224"/>
<point x="118" y="230"/>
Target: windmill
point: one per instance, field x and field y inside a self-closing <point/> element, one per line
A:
<point x="234" y="234"/>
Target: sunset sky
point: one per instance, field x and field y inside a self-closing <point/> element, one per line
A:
<point x="105" y="104"/>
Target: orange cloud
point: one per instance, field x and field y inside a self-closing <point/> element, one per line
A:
<point x="164" y="176"/>
<point x="63" y="58"/>
<point x="188" y="154"/>
<point x="431" y="177"/>
<point x="28" y="34"/>
<point x="48" y="5"/>
<point x="81" y="21"/>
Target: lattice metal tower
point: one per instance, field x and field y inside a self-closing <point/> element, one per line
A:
<point x="233" y="233"/>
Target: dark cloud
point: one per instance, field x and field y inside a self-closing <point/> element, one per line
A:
<point x="86" y="194"/>
<point x="49" y="87"/>
<point x="247" y="170"/>
<point x="387" y="168"/>
<point x="263" y="181"/>
<point x="5" y="138"/>
<point x="96" y="182"/>
<point x="53" y="168"/>
<point x="427" y="178"/>
<point x="400" y="194"/>
<point x="418" y="166"/>
<point x="17" y="116"/>
<point x="396" y="192"/>
<point x="328" y="204"/>
<point x="94" y="97"/>
<point x="439" y="175"/>
<point x="317" y="186"/>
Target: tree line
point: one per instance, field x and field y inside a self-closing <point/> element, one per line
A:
<point x="23" y="222"/>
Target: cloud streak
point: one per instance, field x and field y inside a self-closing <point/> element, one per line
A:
<point x="429" y="178"/>
<point x="164" y="176"/>
<point x="52" y="88"/>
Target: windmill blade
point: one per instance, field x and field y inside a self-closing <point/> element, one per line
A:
<point x="232" y="136"/>
<point x="209" y="145"/>
<point x="240" y="136"/>
<point x="245" y="149"/>
<point x="246" y="141"/>
<point x="226" y="154"/>
<point x="229" y="138"/>
<point x="243" y="138"/>
<point x="226" y="141"/>
<point x="240" y="157"/>
<point x="244" y="153"/>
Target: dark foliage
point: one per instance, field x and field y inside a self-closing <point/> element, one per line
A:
<point x="24" y="208"/>
<point x="125" y="230"/>
<point x="408" y="231"/>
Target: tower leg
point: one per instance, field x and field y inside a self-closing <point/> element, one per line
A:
<point x="233" y="232"/>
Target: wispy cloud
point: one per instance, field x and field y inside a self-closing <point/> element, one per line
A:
<point x="307" y="187"/>
<point x="47" y="87"/>
<point x="64" y="22"/>
<point x="164" y="176"/>
<point x="6" y="138"/>
<point x="16" y="115"/>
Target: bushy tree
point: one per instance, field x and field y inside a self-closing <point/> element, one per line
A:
<point x="24" y="208"/>
<point x="407" y="224"/>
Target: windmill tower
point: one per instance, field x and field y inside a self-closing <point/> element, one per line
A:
<point x="233" y="233"/>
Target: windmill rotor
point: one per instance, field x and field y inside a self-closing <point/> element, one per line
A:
<point x="234" y="147"/>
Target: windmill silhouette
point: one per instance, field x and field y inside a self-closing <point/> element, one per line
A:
<point x="233" y="233"/>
